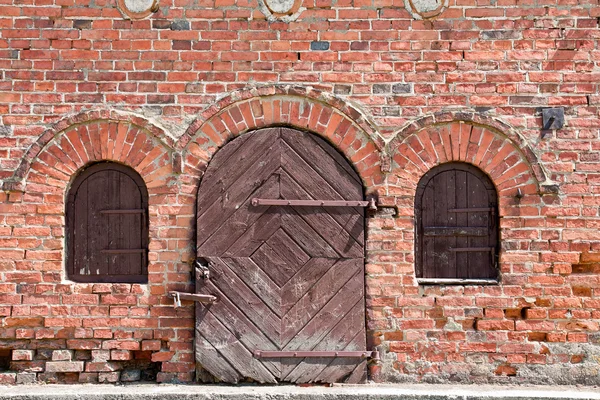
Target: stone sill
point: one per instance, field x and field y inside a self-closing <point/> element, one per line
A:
<point x="444" y="281"/>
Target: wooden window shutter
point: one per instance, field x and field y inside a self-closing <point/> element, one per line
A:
<point x="456" y="209"/>
<point x="107" y="225"/>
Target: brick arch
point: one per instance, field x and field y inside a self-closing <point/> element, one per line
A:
<point x="492" y="152"/>
<point x="491" y="124"/>
<point x="303" y="108"/>
<point x="98" y="135"/>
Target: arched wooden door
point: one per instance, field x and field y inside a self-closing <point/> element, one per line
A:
<point x="288" y="278"/>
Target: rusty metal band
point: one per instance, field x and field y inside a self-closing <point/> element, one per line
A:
<point x="330" y="354"/>
<point x="313" y="203"/>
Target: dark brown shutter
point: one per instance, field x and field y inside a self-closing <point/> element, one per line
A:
<point x="456" y="209"/>
<point x="107" y="228"/>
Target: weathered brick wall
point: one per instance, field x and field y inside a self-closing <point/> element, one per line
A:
<point x="396" y="95"/>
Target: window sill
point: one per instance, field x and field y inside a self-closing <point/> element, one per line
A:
<point x="446" y="281"/>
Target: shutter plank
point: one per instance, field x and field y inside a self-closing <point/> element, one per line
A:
<point x="79" y="237"/>
<point x="427" y="243"/>
<point x="478" y="199"/>
<point x="98" y="225"/>
<point x="462" y="219"/>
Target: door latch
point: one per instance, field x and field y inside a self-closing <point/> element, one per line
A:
<point x="202" y="271"/>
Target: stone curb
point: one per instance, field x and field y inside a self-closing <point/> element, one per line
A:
<point x="366" y="392"/>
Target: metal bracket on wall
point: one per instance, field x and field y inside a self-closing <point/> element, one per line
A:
<point x="200" y="298"/>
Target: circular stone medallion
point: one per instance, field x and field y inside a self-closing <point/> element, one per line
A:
<point x="136" y="9"/>
<point x="425" y="9"/>
<point x="280" y="9"/>
<point x="280" y="6"/>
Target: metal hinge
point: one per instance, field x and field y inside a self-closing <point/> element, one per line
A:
<point x="374" y="355"/>
<point x="371" y="204"/>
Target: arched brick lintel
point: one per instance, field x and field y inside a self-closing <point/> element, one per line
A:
<point x="491" y="124"/>
<point x="483" y="146"/>
<point x="91" y="136"/>
<point x="303" y="108"/>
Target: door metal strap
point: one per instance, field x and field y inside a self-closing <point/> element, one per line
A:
<point x="301" y="354"/>
<point x="371" y="204"/>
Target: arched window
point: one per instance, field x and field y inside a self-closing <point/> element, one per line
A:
<point x="107" y="225"/>
<point x="456" y="209"/>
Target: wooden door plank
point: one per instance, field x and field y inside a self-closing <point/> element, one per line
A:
<point x="316" y="188"/>
<point x="239" y="324"/>
<point x="288" y="249"/>
<point x="338" y="369"/>
<point x="312" y="244"/>
<point x="345" y="370"/>
<point x="339" y="158"/>
<point x="327" y="167"/>
<point x="316" y="297"/>
<point x="238" y="356"/>
<point x="323" y="222"/>
<point x="304" y="279"/>
<point x="348" y="335"/>
<point x="278" y="269"/>
<point x="212" y="361"/>
<point x="257" y="280"/>
<point x="258" y="233"/>
<point x="325" y="319"/>
<point x="229" y="224"/>
<point x="240" y="195"/>
<point x="313" y="330"/>
<point x="223" y="173"/>
<point x="241" y="295"/>
<point x="224" y="157"/>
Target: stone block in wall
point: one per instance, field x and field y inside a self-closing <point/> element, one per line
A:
<point x="62" y="355"/>
<point x="44" y="354"/>
<point x="131" y="375"/>
<point x="64" y="366"/>
<point x="83" y="355"/>
<point x="26" y="378"/>
<point x="120" y="355"/>
<point x="100" y="355"/>
<point x="88" y="377"/>
<point x="23" y="355"/>
<point x="102" y="367"/>
<point x="163" y="356"/>
<point x="108" y="377"/>
<point x="28" y="366"/>
<point x="151" y="345"/>
<point x="8" y="378"/>
<point x="49" y="377"/>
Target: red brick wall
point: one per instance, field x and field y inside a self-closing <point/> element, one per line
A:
<point x="394" y="94"/>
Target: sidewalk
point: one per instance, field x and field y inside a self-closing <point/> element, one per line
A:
<point x="369" y="391"/>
